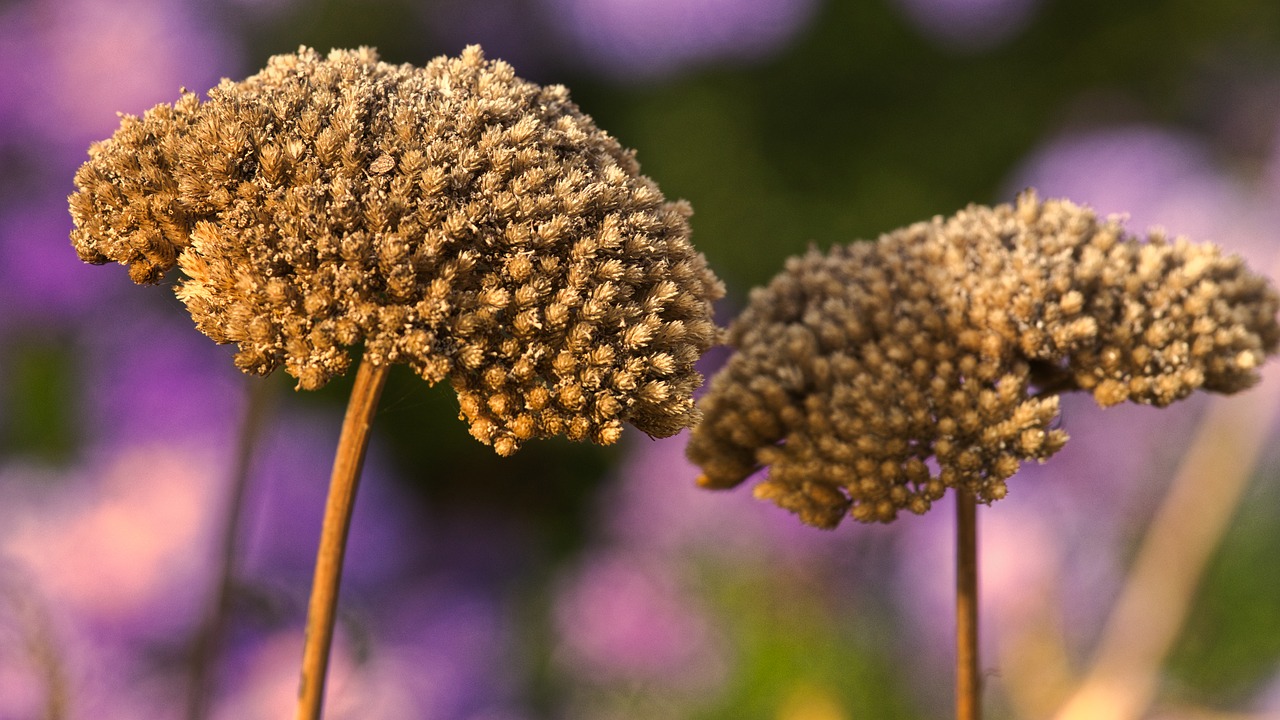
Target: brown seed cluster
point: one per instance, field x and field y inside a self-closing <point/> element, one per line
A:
<point x="456" y="218"/>
<point x="872" y="378"/>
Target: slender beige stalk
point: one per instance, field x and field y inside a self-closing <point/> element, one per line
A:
<point x="1148" y="617"/>
<point x="207" y="643"/>
<point x="38" y="642"/>
<point x="968" y="682"/>
<point x="333" y="535"/>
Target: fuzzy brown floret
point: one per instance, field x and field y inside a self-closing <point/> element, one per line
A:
<point x="873" y="377"/>
<point x="456" y="218"/>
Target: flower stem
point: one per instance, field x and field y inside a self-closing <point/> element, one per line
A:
<point x="968" y="683"/>
<point x="206" y="647"/>
<point x="333" y="536"/>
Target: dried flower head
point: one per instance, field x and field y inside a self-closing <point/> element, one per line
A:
<point x="872" y="378"/>
<point x="454" y="217"/>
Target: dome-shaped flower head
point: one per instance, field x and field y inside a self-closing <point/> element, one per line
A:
<point x="873" y="377"/>
<point x="456" y="218"/>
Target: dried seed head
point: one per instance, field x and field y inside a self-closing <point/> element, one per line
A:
<point x="454" y="217"/>
<point x="870" y="378"/>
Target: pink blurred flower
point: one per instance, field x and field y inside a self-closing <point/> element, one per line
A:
<point x="123" y="546"/>
<point x="656" y="507"/>
<point x="427" y="651"/>
<point x="374" y="689"/>
<point x="621" y="617"/>
<point x="71" y="65"/>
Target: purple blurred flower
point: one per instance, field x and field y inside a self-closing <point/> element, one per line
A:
<point x="66" y="69"/>
<point x="513" y="30"/>
<point x="70" y="65"/>
<point x="1062" y="519"/>
<point x="969" y="24"/>
<point x="286" y="506"/>
<point x="647" y="39"/>
<point x="122" y="551"/>
<point x="41" y="279"/>
<point x="454" y="643"/>
<point x="121" y="547"/>
<point x="621" y="617"/>
<point x="269" y="671"/>
<point x="656" y="507"/>
<point x="115" y="557"/>
<point x="154" y="379"/>
<point x="1155" y="176"/>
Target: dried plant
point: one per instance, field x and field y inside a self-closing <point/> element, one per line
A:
<point x="456" y="218"/>
<point x="872" y="378"/>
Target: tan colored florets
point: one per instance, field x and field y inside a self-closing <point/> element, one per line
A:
<point x="454" y="217"/>
<point x="872" y="378"/>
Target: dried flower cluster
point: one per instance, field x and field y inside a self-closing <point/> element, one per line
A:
<point x="454" y="217"/>
<point x="872" y="378"/>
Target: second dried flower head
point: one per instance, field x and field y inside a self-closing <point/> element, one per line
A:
<point x="456" y="218"/>
<point x="872" y="378"/>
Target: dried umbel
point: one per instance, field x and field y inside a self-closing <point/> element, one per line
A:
<point x="456" y="218"/>
<point x="872" y="378"/>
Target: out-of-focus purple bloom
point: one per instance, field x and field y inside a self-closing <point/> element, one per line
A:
<point x="71" y="65"/>
<point x="1053" y="546"/>
<point x="122" y="547"/>
<point x="115" y="558"/>
<point x="1157" y="177"/>
<point x="285" y="507"/>
<point x="41" y="279"/>
<point x="621" y="617"/>
<point x="969" y="24"/>
<point x="66" y="69"/>
<point x="154" y="379"/>
<point x="652" y="38"/>
<point x="454" y="645"/>
<point x="122" y="552"/>
<point x="514" y="30"/>
<point x="265" y="8"/>
<point x="377" y="688"/>
<point x="656" y="507"/>
<point x="421" y="603"/>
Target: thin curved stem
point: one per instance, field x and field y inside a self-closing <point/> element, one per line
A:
<point x="968" y="682"/>
<point x="38" y="643"/>
<point x="321" y="611"/>
<point x="207" y="644"/>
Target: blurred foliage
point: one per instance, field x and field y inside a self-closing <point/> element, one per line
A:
<point x="1231" y="644"/>
<point x="38" y="408"/>
<point x="796" y="657"/>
